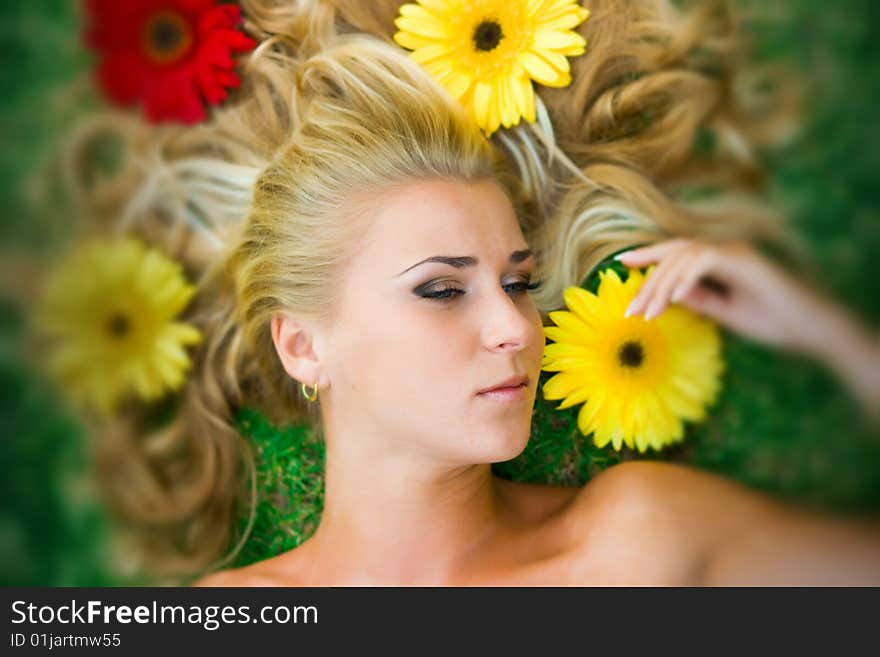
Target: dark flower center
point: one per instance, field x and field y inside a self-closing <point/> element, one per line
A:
<point x="166" y="37"/>
<point x="631" y="354"/>
<point x="118" y="325"/>
<point x="488" y="35"/>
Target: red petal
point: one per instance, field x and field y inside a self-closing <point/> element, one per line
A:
<point x="224" y="16"/>
<point x="122" y="77"/>
<point x="211" y="87"/>
<point x="173" y="97"/>
<point x="168" y="92"/>
<point x="238" y="41"/>
<point x="214" y="52"/>
<point x="227" y="78"/>
<point x="117" y="27"/>
<point x="195" y="7"/>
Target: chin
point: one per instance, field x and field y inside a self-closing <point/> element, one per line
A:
<point x="503" y="444"/>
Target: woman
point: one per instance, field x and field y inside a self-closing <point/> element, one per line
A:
<point x="384" y="286"/>
<point x="433" y="312"/>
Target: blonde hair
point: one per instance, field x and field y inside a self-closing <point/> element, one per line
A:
<point x="262" y="205"/>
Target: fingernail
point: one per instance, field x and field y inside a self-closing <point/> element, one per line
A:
<point x="676" y="295"/>
<point x="651" y="312"/>
<point x="629" y="308"/>
<point x="621" y="256"/>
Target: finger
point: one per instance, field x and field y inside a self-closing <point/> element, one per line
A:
<point x="638" y="302"/>
<point x="700" y="266"/>
<point x="663" y="288"/>
<point x="645" y="294"/>
<point x="706" y="302"/>
<point x="647" y="255"/>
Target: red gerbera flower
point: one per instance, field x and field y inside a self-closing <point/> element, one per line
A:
<point x="172" y="56"/>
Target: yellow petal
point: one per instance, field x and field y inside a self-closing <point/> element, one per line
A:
<point x="518" y="96"/>
<point x="427" y="28"/>
<point x="613" y="293"/>
<point x="493" y="118"/>
<point x="562" y="349"/>
<point x="584" y="303"/>
<point x="430" y="53"/>
<point x="458" y="84"/>
<point x="412" y="41"/>
<point x="563" y="335"/>
<point x="185" y="333"/>
<point x="482" y="99"/>
<point x="576" y="397"/>
<point x="527" y="91"/>
<point x="509" y="114"/>
<point x="564" y="364"/>
<point x="442" y="8"/>
<point x="571" y="322"/>
<point x="557" y="61"/>
<point x="587" y="417"/>
<point x="419" y="12"/>
<point x="540" y="70"/>
<point x="561" y="385"/>
<point x="556" y="40"/>
<point x="562" y="18"/>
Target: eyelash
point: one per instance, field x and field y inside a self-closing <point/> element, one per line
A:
<point x="449" y="293"/>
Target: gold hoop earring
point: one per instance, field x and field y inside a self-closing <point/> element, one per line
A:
<point x="309" y="396"/>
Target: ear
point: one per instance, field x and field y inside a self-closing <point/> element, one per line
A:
<point x="294" y="344"/>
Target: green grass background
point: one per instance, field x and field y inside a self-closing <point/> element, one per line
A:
<point x="783" y="425"/>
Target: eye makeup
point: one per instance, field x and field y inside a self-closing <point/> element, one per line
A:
<point x="446" y="290"/>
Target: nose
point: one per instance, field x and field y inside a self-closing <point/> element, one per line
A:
<point x="508" y="325"/>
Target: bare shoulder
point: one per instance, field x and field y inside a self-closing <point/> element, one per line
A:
<point x="236" y="577"/>
<point x="729" y="534"/>
<point x="655" y="487"/>
<point x="634" y="501"/>
<point x="281" y="570"/>
<point x="638" y="494"/>
<point x="656" y="522"/>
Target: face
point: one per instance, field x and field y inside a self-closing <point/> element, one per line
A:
<point x="435" y="308"/>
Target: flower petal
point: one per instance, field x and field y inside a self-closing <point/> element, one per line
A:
<point x="557" y="40"/>
<point x="481" y="102"/>
<point x="539" y="69"/>
<point x="427" y="28"/>
<point x="586" y="304"/>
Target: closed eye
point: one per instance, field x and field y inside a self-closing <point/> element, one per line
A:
<point x="444" y="293"/>
<point x="522" y="286"/>
<point x="448" y="293"/>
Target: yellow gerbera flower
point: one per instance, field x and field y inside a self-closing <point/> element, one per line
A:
<point x="487" y="52"/>
<point x="109" y="308"/>
<point x="638" y="379"/>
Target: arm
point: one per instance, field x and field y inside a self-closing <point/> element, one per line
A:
<point x="758" y="300"/>
<point x="851" y="351"/>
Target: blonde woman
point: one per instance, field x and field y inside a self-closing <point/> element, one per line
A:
<point x="383" y="276"/>
<point x="426" y="371"/>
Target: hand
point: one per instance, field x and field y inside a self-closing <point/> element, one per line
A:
<point x="741" y="290"/>
<point x="732" y="284"/>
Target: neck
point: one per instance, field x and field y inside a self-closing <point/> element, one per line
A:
<point x="395" y="520"/>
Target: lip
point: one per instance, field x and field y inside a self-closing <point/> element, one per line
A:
<point x="507" y="395"/>
<point x="516" y="383"/>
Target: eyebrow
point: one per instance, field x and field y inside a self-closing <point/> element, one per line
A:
<point x="468" y="261"/>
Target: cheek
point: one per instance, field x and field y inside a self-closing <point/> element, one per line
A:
<point x="397" y="354"/>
